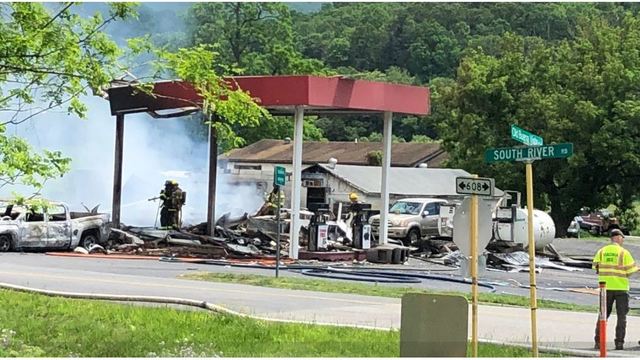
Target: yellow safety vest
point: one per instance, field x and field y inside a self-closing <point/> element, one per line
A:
<point x="614" y="264"/>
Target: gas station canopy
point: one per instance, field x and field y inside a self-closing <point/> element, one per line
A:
<point x="280" y="95"/>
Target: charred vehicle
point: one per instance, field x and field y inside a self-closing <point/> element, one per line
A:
<point x="53" y="226"/>
<point x="599" y="222"/>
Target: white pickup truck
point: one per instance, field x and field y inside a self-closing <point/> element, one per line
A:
<point x="24" y="227"/>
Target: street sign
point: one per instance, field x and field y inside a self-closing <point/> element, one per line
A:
<point x="279" y="175"/>
<point x="475" y="186"/>
<point x="525" y="137"/>
<point x="529" y="153"/>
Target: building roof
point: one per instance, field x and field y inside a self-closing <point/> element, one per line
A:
<point x="402" y="181"/>
<point x="280" y="94"/>
<point x="349" y="153"/>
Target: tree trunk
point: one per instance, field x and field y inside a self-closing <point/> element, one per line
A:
<point x="561" y="217"/>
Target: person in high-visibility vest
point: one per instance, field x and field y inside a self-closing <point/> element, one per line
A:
<point x="614" y="264"/>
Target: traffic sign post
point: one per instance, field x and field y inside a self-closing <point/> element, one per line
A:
<point x="524" y="136"/>
<point x="532" y="259"/>
<point x="528" y="154"/>
<point x="279" y="179"/>
<point x="474" y="270"/>
<point x="475" y="186"/>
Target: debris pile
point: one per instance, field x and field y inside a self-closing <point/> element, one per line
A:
<point x="243" y="236"/>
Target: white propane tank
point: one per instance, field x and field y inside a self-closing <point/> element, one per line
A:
<point x="544" y="229"/>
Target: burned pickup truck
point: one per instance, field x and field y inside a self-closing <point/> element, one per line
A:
<point x="50" y="226"/>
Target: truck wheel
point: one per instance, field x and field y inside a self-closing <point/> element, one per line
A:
<point x="412" y="237"/>
<point x="5" y="243"/>
<point x="88" y="240"/>
<point x="595" y="230"/>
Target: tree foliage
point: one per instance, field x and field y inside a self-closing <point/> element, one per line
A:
<point x="48" y="58"/>
<point x="581" y="91"/>
<point x="225" y="104"/>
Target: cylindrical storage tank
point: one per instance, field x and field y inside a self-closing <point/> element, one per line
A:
<point x="544" y="229"/>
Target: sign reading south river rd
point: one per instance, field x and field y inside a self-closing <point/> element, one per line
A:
<point x="529" y="153"/>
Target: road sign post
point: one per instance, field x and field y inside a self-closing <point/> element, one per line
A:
<point x="532" y="259"/>
<point x="528" y="154"/>
<point x="279" y="179"/>
<point x="474" y="272"/>
<point x="474" y="186"/>
<point x="524" y="136"/>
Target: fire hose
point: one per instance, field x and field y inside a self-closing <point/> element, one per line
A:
<point x="222" y="310"/>
<point x="165" y="300"/>
<point x="350" y="273"/>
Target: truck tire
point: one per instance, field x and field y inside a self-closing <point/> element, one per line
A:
<point x="413" y="236"/>
<point x="88" y="239"/>
<point x="5" y="243"/>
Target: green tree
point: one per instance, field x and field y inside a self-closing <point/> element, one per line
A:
<point x="48" y="59"/>
<point x="226" y="106"/>
<point x="580" y="91"/>
<point x="256" y="39"/>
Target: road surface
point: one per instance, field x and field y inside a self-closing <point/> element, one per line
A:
<point x="143" y="277"/>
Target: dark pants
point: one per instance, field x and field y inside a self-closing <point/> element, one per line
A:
<point x="621" y="298"/>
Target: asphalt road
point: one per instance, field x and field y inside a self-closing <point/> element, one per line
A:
<point x="147" y="277"/>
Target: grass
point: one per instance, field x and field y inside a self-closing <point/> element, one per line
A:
<point x="36" y="325"/>
<point x="374" y="290"/>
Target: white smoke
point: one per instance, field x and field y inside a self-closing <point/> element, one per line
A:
<point x="154" y="151"/>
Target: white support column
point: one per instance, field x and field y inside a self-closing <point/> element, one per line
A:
<point x="384" y="190"/>
<point x="296" y="184"/>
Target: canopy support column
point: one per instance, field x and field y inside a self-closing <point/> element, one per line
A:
<point x="213" y="175"/>
<point x="297" y="183"/>
<point x="386" y="163"/>
<point x="117" y="172"/>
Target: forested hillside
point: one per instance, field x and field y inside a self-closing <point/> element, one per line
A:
<point x="566" y="71"/>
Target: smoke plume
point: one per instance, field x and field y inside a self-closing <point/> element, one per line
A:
<point x="154" y="151"/>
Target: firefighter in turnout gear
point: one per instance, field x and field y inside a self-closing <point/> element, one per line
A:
<point x="273" y="198"/>
<point x="173" y="198"/>
<point x="614" y="264"/>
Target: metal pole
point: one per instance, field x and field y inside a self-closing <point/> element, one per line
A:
<point x="213" y="174"/>
<point x="532" y="258"/>
<point x="117" y="171"/>
<point x="386" y="164"/>
<point x="474" y="274"/>
<point x="602" y="319"/>
<point x="278" y="235"/>
<point x="297" y="183"/>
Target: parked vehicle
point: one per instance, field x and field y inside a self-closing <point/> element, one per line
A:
<point x="599" y="222"/>
<point x="412" y="219"/>
<point x="53" y="226"/>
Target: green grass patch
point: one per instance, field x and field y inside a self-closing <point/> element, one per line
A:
<point x="36" y="325"/>
<point x="372" y="289"/>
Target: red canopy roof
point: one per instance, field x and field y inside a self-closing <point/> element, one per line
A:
<point x="280" y="95"/>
